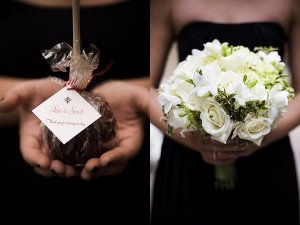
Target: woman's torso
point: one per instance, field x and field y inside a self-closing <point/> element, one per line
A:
<point x="251" y="34"/>
<point x="183" y="12"/>
<point x="184" y="187"/>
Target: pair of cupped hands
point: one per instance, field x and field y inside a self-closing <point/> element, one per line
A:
<point x="128" y="103"/>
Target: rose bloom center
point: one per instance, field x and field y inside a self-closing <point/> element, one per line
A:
<point x="258" y="127"/>
<point x="215" y="118"/>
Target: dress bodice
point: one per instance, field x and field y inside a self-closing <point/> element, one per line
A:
<point x="252" y="34"/>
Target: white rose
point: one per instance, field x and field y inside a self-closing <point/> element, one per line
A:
<point x="253" y="129"/>
<point x="215" y="121"/>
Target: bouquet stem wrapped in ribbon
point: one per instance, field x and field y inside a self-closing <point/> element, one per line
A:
<point x="227" y="92"/>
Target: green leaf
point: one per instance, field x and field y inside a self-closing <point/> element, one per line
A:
<point x="251" y="84"/>
<point x="170" y="131"/>
<point x="199" y="71"/>
<point x="190" y="81"/>
<point x="182" y="114"/>
<point x="265" y="49"/>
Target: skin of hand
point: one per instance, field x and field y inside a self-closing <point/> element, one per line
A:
<point x="227" y="153"/>
<point x="129" y="103"/>
<point x="25" y="97"/>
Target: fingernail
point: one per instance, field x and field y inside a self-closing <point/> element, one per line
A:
<point x="96" y="169"/>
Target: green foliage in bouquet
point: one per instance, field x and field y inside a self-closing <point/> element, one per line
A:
<point x="224" y="92"/>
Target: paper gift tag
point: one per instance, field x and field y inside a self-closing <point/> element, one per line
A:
<point x="66" y="114"/>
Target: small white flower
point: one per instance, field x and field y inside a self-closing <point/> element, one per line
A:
<point x="253" y="129"/>
<point x="194" y="102"/>
<point x="213" y="48"/>
<point x="167" y="101"/>
<point x="242" y="95"/>
<point x="270" y="57"/>
<point x="279" y="98"/>
<point x="230" y="81"/>
<point x="186" y="69"/>
<point x="219" y="71"/>
<point x="235" y="61"/>
<point x="259" y="92"/>
<point x="252" y="77"/>
<point x="182" y="89"/>
<point x="264" y="67"/>
<point x="233" y="84"/>
<point x="208" y="81"/>
<point x="215" y="121"/>
<point x="178" y="120"/>
<point x="274" y="115"/>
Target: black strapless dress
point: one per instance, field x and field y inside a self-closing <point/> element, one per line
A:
<point x="267" y="191"/>
<point x="25" y="31"/>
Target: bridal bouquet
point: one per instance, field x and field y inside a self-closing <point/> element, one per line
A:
<point x="225" y="92"/>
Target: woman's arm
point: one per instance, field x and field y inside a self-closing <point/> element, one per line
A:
<point x="161" y="38"/>
<point x="292" y="116"/>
